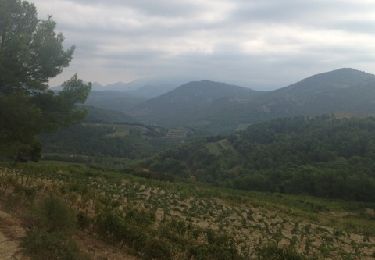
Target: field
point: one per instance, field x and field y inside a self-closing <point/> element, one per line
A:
<point x="169" y="220"/>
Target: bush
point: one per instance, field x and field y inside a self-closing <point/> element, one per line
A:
<point x="40" y="244"/>
<point x="117" y="229"/>
<point x="218" y="247"/>
<point x="52" y="215"/>
<point x="157" y="249"/>
<point x="53" y="223"/>
<point x="272" y="252"/>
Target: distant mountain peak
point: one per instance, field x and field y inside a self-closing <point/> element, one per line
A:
<point x="210" y="84"/>
<point x="339" y="78"/>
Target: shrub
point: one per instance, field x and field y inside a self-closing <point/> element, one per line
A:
<point x="272" y="252"/>
<point x="40" y="244"/>
<point x="53" y="223"/>
<point x="157" y="249"/>
<point x="114" y="227"/>
<point x="53" y="215"/>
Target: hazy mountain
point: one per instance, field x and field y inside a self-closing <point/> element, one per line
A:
<point x="218" y="107"/>
<point x="191" y="103"/>
<point x="113" y="100"/>
<point x="141" y="88"/>
<point x="338" y="91"/>
<point x="152" y="90"/>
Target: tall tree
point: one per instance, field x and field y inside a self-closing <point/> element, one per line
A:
<point x="31" y="53"/>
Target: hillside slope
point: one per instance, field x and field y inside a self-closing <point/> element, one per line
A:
<point x="190" y="104"/>
<point x="225" y="108"/>
<point x="106" y="139"/>
<point x="161" y="220"/>
<point x="101" y="115"/>
<point x="321" y="156"/>
<point x="113" y="100"/>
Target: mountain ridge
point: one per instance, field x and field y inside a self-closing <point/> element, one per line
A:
<point x="343" y="90"/>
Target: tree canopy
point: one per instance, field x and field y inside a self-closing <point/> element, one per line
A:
<point x="31" y="53"/>
<point x="321" y="156"/>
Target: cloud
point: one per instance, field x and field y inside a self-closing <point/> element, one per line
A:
<point x="261" y="44"/>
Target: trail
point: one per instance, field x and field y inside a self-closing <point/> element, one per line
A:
<point x="11" y="233"/>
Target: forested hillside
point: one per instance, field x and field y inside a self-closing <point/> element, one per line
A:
<point x="323" y="156"/>
<point x="219" y="108"/>
<point x="118" y="140"/>
<point x="191" y="104"/>
<point x="100" y="115"/>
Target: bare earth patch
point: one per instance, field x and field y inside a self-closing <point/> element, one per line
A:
<point x="11" y="233"/>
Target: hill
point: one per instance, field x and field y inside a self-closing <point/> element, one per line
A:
<point x="90" y="141"/>
<point x="322" y="156"/>
<point x="113" y="100"/>
<point x="100" y="115"/>
<point x="190" y="104"/>
<point x="221" y="108"/>
<point x="338" y="91"/>
<point x="144" y="89"/>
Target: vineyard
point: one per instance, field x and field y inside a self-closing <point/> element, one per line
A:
<point x="161" y="220"/>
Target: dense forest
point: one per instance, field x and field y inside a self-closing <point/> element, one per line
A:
<point x="322" y="156"/>
<point x="118" y="140"/>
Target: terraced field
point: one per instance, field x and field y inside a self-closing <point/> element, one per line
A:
<point x="190" y="221"/>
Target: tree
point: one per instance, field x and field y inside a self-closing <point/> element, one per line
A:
<point x="31" y="53"/>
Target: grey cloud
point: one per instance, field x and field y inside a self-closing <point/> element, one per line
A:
<point x="189" y="40"/>
<point x="149" y="7"/>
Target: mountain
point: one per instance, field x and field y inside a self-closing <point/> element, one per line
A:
<point x="152" y="90"/>
<point x="191" y="104"/>
<point x="339" y="91"/>
<point x="144" y="89"/>
<point x="113" y="100"/>
<point x="221" y="108"/>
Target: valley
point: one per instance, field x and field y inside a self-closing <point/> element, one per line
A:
<point x="187" y="130"/>
<point x="216" y="171"/>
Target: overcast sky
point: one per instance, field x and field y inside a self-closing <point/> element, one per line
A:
<point x="261" y="44"/>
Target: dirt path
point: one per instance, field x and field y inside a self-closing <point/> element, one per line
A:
<point x="11" y="233"/>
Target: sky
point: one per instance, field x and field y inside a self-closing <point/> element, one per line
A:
<point x="262" y="44"/>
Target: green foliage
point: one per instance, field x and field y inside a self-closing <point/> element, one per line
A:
<point x="157" y="249"/>
<point x="101" y="115"/>
<point x="218" y="247"/>
<point x="52" y="215"/>
<point x="40" y="244"/>
<point x="322" y="156"/>
<point x="116" y="228"/>
<point x="49" y="237"/>
<point x="30" y="54"/>
<point x="30" y="51"/>
<point x="120" y="140"/>
<point x="272" y="252"/>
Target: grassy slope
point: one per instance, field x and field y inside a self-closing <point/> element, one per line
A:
<point x="178" y="218"/>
